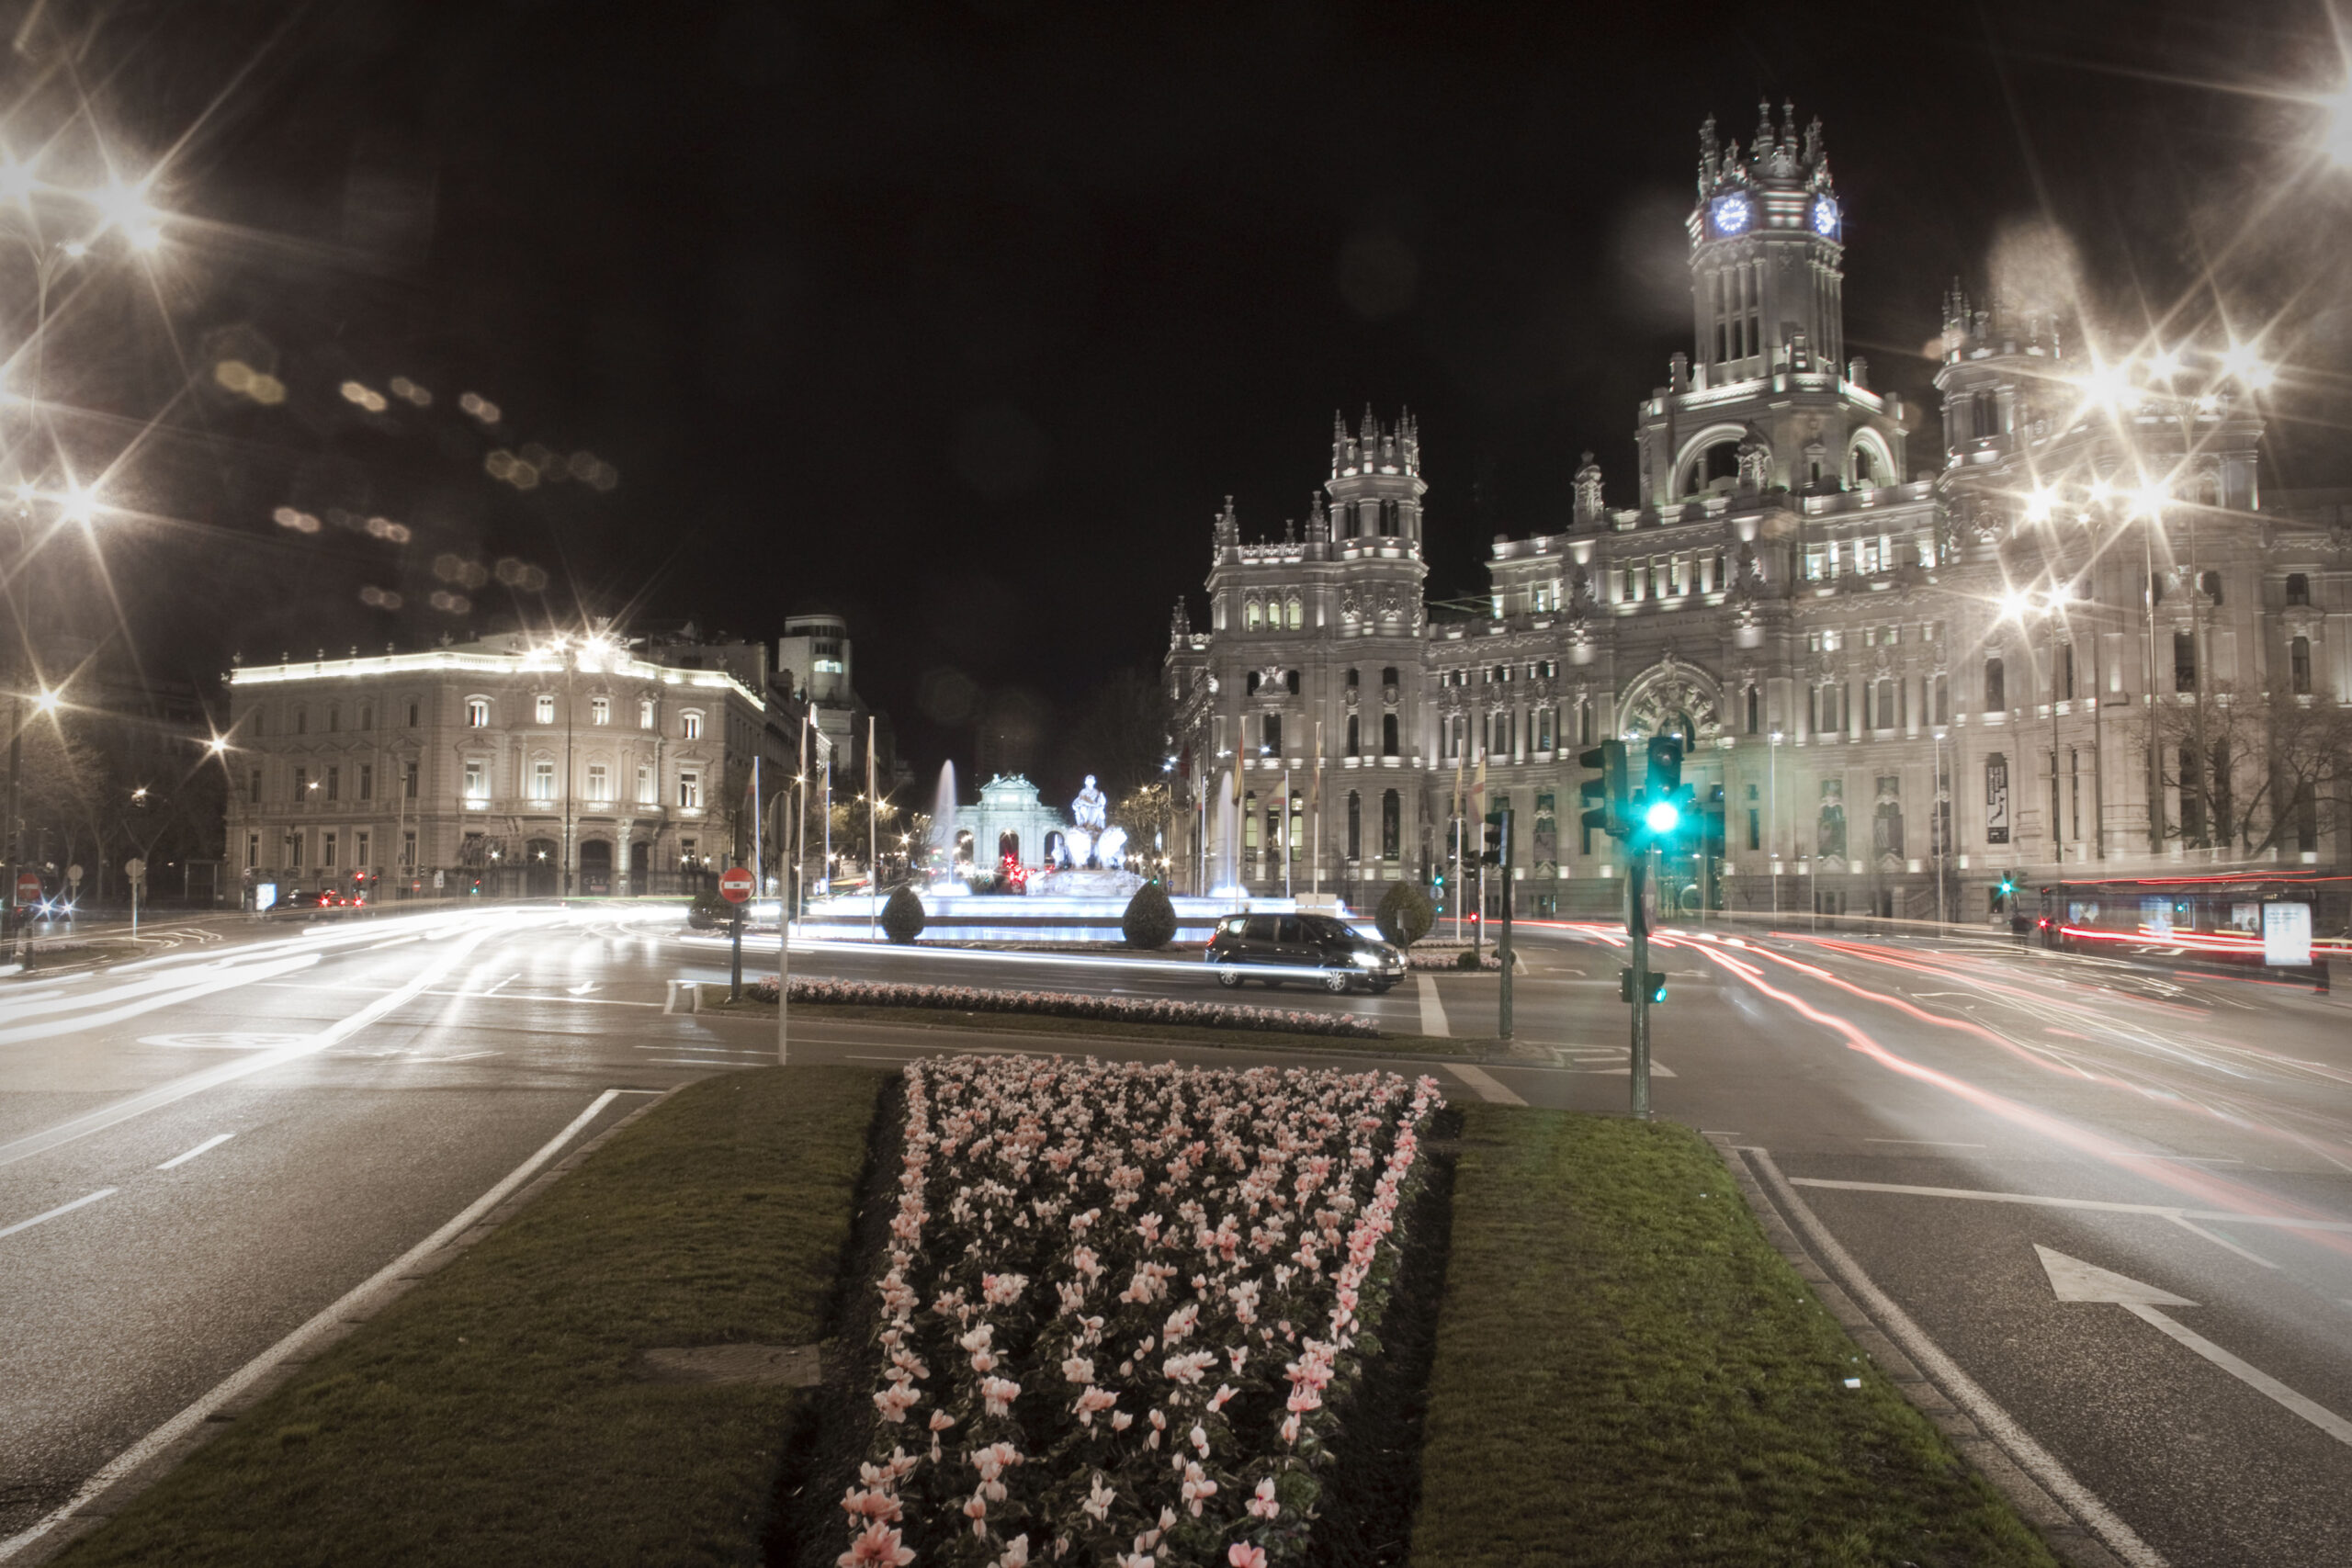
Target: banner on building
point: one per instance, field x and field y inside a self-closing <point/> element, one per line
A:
<point x="1547" y="840"/>
<point x="1997" y="799"/>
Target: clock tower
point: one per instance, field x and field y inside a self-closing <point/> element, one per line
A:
<point x="1768" y="374"/>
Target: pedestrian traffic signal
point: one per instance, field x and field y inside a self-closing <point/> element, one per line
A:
<point x="1605" y="797"/>
<point x="1492" y="854"/>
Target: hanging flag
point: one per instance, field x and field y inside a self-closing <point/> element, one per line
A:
<point x="1460" y="756"/>
<point x="1315" y="780"/>
<point x="1237" y="777"/>
<point x="1478" y="787"/>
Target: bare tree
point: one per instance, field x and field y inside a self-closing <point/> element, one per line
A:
<point x="2259" y="770"/>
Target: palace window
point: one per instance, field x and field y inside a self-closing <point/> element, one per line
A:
<point x="543" y="707"/>
<point x="1353" y="746"/>
<point x="1388" y="735"/>
<point x="543" y="781"/>
<point x="1391" y="825"/>
<point x="1355" y="826"/>
<point x="690" y="725"/>
<point x="477" y="779"/>
<point x="689" y="789"/>
<point x="477" y="713"/>
<point x="334" y="783"/>
<point x="2299" y="588"/>
<point x="1293" y="615"/>
<point x="1250" y="615"/>
<point x="1996" y="690"/>
<point x="645" y="713"/>
<point x="366" y="781"/>
<point x="600" y="783"/>
<point x="2183" y="662"/>
<point x="408" y="781"/>
<point x="645" y="796"/>
<point x="600" y="710"/>
<point x="2299" y="665"/>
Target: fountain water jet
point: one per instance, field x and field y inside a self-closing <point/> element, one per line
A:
<point x="943" y="817"/>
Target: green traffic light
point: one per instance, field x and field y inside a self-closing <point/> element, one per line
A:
<point x="1663" y="816"/>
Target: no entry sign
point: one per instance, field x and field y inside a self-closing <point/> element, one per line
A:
<point x="736" y="885"/>
<point x="28" y="889"/>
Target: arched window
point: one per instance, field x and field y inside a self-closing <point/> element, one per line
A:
<point x="2183" y="662"/>
<point x="477" y="713"/>
<point x="1250" y="614"/>
<point x="1391" y="825"/>
<point x="1886" y="719"/>
<point x="1290" y="680"/>
<point x="1388" y="735"/>
<point x="1293" y="615"/>
<point x="1270" y="739"/>
<point x="1355" y="826"/>
<point x="1352" y="679"/>
<point x="303" y="721"/>
<point x="1720" y="461"/>
<point x="1755" y="709"/>
<point x="1252" y="685"/>
<point x="2298" y="666"/>
<point x="2211" y="584"/>
<point x="1388" y="676"/>
<point x="1389" y="518"/>
<point x="1997" y="689"/>
<point x="1865" y="466"/>
<point x="1354" y="733"/>
<point x="1249" y="820"/>
<point x="2299" y="589"/>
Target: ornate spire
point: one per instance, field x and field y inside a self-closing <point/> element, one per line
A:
<point x="1180" y="624"/>
<point x="1338" y="441"/>
<point x="1588" y="491"/>
<point x="1710" y="156"/>
<point x="1319" y="522"/>
<point x="1228" y="526"/>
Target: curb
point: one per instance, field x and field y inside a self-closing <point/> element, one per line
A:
<point x="93" y="1512"/>
<point x="2064" y="1535"/>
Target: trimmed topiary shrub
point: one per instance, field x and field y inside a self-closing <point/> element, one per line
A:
<point x="1150" y="920"/>
<point x="902" y="916"/>
<point x="1405" y="914"/>
<point x="1465" y="960"/>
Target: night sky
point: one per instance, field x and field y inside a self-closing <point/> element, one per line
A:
<point x="963" y="319"/>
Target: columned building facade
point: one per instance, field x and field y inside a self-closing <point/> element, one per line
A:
<point x="514" y="765"/>
<point x="1895" y="684"/>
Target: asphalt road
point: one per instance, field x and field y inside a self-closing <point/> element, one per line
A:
<point x="202" y="1150"/>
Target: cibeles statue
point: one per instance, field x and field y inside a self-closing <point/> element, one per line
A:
<point x="1091" y="809"/>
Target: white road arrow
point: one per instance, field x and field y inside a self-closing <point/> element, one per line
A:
<point x="2071" y="1280"/>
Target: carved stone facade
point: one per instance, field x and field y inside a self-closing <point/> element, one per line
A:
<point x="1829" y="635"/>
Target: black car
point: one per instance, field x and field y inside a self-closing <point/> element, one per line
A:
<point x="1312" y="948"/>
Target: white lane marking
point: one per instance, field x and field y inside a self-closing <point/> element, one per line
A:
<point x="692" y="1061"/>
<point x="168" y="994"/>
<point x="493" y="990"/>
<point x="235" y="1040"/>
<point x="2100" y="1205"/>
<point x="1484" y="1084"/>
<point x="236" y="1382"/>
<point x="2071" y="1280"/>
<point x="1432" y="1010"/>
<point x="379" y="947"/>
<point x="1927" y="1142"/>
<point x="213" y="1142"/>
<point x="2030" y="1456"/>
<point x="61" y="1209"/>
<point x="2193" y="1228"/>
<point x="581" y="990"/>
<point x="177" y="1089"/>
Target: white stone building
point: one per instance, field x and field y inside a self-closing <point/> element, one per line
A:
<point x="1881" y="708"/>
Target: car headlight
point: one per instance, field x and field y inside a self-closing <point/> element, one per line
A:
<point x="1366" y="960"/>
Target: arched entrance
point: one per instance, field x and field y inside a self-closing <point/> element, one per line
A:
<point x="541" y="871"/>
<point x="640" y="861"/>
<point x="597" y="867"/>
<point x="1008" y="847"/>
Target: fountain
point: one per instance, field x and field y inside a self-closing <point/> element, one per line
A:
<point x="942" y="842"/>
<point x="1073" y="882"/>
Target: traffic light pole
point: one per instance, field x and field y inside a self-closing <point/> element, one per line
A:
<point x="1637" y="936"/>
<point x="1502" y="942"/>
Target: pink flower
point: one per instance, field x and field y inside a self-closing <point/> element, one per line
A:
<point x="999" y="1394"/>
<point x="1263" y="1504"/>
<point x="870" y="1505"/>
<point x="1241" y="1555"/>
<point x="877" y="1548"/>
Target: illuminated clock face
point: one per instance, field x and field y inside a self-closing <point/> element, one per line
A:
<point x="1732" y="213"/>
<point x="1824" y="217"/>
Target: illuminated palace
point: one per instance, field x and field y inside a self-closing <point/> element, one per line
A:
<point x="1891" y="681"/>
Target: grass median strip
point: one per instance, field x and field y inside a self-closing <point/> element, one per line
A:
<point x="498" y="1412"/>
<point x="1626" y="1373"/>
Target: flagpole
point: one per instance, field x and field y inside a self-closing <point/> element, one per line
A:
<point x="784" y="911"/>
<point x="1287" y="831"/>
<point x="1314" y="818"/>
<point x="873" y="841"/>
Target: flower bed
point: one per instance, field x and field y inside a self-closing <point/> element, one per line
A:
<point x="1450" y="958"/>
<point x="1123" y="1309"/>
<point x="1068" y="1004"/>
